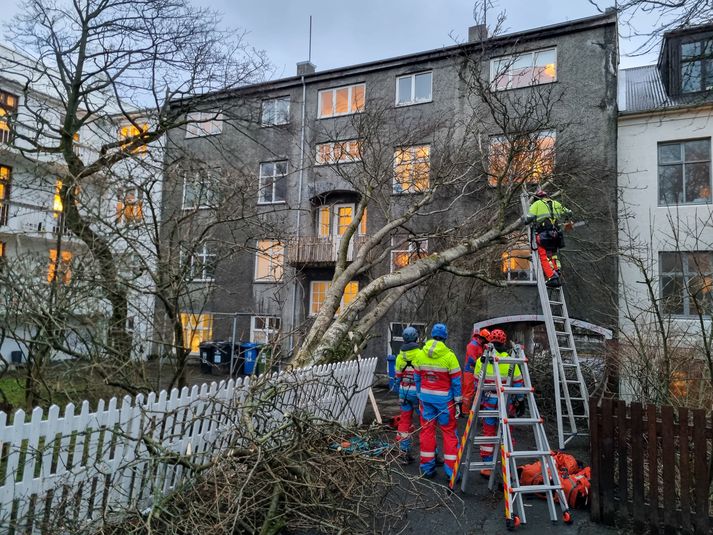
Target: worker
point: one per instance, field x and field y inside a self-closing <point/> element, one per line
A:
<point x="438" y="383"/>
<point x="406" y="362"/>
<point x="473" y="352"/>
<point x="546" y="216"/>
<point x="490" y="400"/>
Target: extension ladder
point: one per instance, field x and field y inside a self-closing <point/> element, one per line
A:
<point x="571" y="395"/>
<point x="503" y="442"/>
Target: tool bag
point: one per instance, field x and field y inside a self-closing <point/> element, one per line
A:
<point x="576" y="488"/>
<point x="575" y="479"/>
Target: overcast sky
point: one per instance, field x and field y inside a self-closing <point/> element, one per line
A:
<point x="349" y="32"/>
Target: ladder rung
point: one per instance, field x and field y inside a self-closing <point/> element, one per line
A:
<point x="535" y="488"/>
<point x="569" y="365"/>
<point x="565" y="348"/>
<point x="561" y="333"/>
<point x="494" y="413"/>
<point x="528" y="454"/>
<point x="524" y="421"/>
<point x="559" y="318"/>
<point x="576" y="399"/>
<point x="510" y="360"/>
<point x="556" y="303"/>
<point x="517" y="389"/>
<point x="485" y="440"/>
<point x="478" y="465"/>
<point x="572" y="382"/>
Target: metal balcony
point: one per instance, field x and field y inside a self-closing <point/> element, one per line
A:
<point x="29" y="220"/>
<point x="320" y="251"/>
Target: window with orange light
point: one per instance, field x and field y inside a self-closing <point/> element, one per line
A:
<point x="519" y="158"/>
<point x="130" y="132"/>
<point x="406" y="251"/>
<point x="8" y="108"/>
<point x="412" y="169"/>
<point x="130" y="206"/>
<point x="523" y="70"/>
<point x="60" y="266"/>
<point x="269" y="261"/>
<point x="197" y="328"/>
<point x="342" y="100"/>
<point x="338" y="152"/>
<point x="5" y="176"/>
<point x="516" y="265"/>
<point x="318" y="293"/>
<point x="57" y="207"/>
<point x="333" y="220"/>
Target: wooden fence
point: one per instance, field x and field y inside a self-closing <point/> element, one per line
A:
<point x="651" y="466"/>
<point x="77" y="466"/>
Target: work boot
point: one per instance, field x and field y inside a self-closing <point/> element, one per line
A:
<point x="406" y="458"/>
<point x="553" y="282"/>
<point x="428" y="475"/>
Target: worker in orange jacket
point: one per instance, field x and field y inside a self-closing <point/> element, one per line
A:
<point x="473" y="352"/>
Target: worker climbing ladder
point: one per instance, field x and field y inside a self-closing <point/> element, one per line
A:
<point x="503" y="442"/>
<point x="571" y="395"/>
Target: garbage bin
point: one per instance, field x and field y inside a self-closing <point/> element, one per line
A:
<point x="249" y="352"/>
<point x="391" y="370"/>
<point x="264" y="358"/>
<point x="207" y="352"/>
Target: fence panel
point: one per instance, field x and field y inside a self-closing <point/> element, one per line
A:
<point x="644" y="457"/>
<point x="86" y="465"/>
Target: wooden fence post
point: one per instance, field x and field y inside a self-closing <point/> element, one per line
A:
<point x="669" y="468"/>
<point x="653" y="458"/>
<point x="607" y="468"/>
<point x="595" y="507"/>
<point x="700" y="469"/>
<point x="637" y="464"/>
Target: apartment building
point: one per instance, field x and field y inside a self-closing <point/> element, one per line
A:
<point x="297" y="148"/>
<point x="666" y="235"/>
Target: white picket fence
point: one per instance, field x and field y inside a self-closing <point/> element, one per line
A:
<point x="77" y="467"/>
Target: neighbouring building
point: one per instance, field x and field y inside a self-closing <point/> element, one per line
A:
<point x="294" y="146"/>
<point x="666" y="231"/>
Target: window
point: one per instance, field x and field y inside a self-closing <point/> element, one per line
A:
<point x="412" y="167"/>
<point x="199" y="189"/>
<point x="270" y="260"/>
<point x="521" y="158"/>
<point x="318" y="293"/>
<point x="203" y="123"/>
<point x="697" y="66"/>
<point x="5" y="175"/>
<point x="522" y="70"/>
<point x="341" y="100"/>
<point x="685" y="172"/>
<point x="334" y="220"/>
<point x="273" y="182"/>
<point x="406" y="251"/>
<point x="686" y="282"/>
<point x="130" y="206"/>
<point x="57" y="207"/>
<point x="201" y="264"/>
<point x="396" y="339"/>
<point x="8" y="108"/>
<point x="338" y="152"/>
<point x="264" y="329"/>
<point x="129" y="133"/>
<point x="276" y="111"/>
<point x="413" y="88"/>
<point x="516" y="263"/>
<point x="197" y="328"/>
<point x="60" y="264"/>
<point x="3" y="246"/>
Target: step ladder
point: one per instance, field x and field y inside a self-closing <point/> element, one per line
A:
<point x="571" y="394"/>
<point x="505" y="454"/>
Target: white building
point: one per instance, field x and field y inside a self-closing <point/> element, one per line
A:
<point x="666" y="233"/>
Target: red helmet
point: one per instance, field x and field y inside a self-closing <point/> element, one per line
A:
<point x="484" y="333"/>
<point x="498" y="336"/>
<point x="540" y="193"/>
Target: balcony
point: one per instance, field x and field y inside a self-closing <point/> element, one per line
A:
<point x="27" y="219"/>
<point x="320" y="251"/>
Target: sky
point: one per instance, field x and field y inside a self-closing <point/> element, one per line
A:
<point x="349" y="32"/>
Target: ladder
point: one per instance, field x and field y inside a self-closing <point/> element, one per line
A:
<point x="571" y="395"/>
<point x="504" y="453"/>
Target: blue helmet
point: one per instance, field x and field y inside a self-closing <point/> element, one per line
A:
<point x="410" y="334"/>
<point x="439" y="331"/>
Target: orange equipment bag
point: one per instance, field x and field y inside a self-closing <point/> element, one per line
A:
<point x="576" y="488"/>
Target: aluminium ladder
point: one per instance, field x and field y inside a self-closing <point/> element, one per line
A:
<point x="504" y="452"/>
<point x="571" y="395"/>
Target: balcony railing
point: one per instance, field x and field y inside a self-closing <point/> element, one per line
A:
<point x="32" y="220"/>
<point x="313" y="250"/>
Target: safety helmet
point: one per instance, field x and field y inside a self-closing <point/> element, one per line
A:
<point x="439" y="331"/>
<point x="410" y="334"/>
<point x="484" y="333"/>
<point x="541" y="194"/>
<point x="497" y="336"/>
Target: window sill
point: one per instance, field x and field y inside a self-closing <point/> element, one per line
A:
<point x="203" y="135"/>
<point x="337" y="115"/>
<point x="265" y="281"/>
<point x="412" y="103"/>
<point x="327" y="164"/>
<point x="259" y="203"/>
<point x="195" y="208"/>
<point x="274" y="125"/>
<point x="702" y="203"/>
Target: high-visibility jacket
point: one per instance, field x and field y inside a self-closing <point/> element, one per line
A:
<point x="504" y="369"/>
<point x="472" y="353"/>
<point x="438" y="375"/>
<point x="406" y="362"/>
<point x="548" y="211"/>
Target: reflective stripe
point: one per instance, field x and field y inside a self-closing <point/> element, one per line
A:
<point x="426" y="367"/>
<point x="428" y="453"/>
<point x="435" y="392"/>
<point x="454" y="371"/>
<point x="487" y="448"/>
<point x="450" y="457"/>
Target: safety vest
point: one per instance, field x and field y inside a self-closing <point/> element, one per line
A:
<point x="547" y="212"/>
<point x="503" y="368"/>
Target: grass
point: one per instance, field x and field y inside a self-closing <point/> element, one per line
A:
<point x="14" y="390"/>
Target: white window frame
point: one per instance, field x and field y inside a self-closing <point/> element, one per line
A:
<point x="413" y="99"/>
<point x="329" y="285"/>
<point x="520" y="245"/>
<point x="411" y="188"/>
<point x="273" y="102"/>
<point x="345" y="154"/>
<point x="685" y="274"/>
<point x="269" y="333"/>
<point x="421" y="327"/>
<point x="274" y="178"/>
<point x="510" y="59"/>
<point x="204" y="124"/>
<point x="276" y="250"/>
<point x="204" y="177"/>
<point x="411" y="249"/>
<point x="333" y="91"/>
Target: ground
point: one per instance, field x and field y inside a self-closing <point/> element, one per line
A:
<point x="480" y="510"/>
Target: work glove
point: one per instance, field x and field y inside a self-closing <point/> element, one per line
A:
<point x="459" y="410"/>
<point x="528" y="219"/>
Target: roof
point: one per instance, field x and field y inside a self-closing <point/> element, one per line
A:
<point x="641" y="89"/>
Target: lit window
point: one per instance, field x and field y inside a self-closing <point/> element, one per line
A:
<point x="413" y="88"/>
<point x="57" y="207"/>
<point x="318" y="293"/>
<point x="405" y="251"/>
<point x="199" y="189"/>
<point x="334" y="219"/>
<point x="270" y="261"/>
<point x="338" y="152"/>
<point x="522" y="70"/>
<point x="412" y="167"/>
<point x="264" y="329"/>
<point x="685" y="172"/>
<point x="60" y="267"/>
<point x="130" y="206"/>
<point x="521" y="158"/>
<point x="8" y="108"/>
<point x="202" y="123"/>
<point x="341" y="100"/>
<point x="697" y="66"/>
<point x="197" y="328"/>
<point x="201" y="264"/>
<point x="5" y="175"/>
<point x="686" y="282"/>
<point x="130" y="133"/>
<point x="276" y="111"/>
<point x="516" y="263"/>
<point x="272" y="182"/>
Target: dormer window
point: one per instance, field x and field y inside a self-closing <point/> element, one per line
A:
<point x="697" y="66"/>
